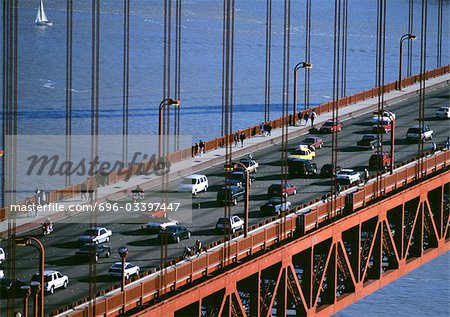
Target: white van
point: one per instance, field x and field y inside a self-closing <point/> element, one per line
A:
<point x="194" y="184"/>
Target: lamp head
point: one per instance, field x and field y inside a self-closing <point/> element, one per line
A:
<point x="412" y="37"/>
<point x="307" y="65"/>
<point x="174" y="102"/>
<point x="228" y="167"/>
<point x="22" y="242"/>
<point x="123" y="252"/>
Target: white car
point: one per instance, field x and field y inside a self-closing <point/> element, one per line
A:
<point x="385" y="116"/>
<point x="251" y="165"/>
<point x="230" y="224"/>
<point x="52" y="280"/>
<point x="2" y="255"/>
<point x="96" y="235"/>
<point x="443" y="112"/>
<point x="416" y="133"/>
<point x="194" y="184"/>
<point x="348" y="177"/>
<point x="130" y="269"/>
<point x="158" y="224"/>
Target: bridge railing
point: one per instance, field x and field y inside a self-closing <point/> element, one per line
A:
<point x="113" y="177"/>
<point x="300" y="221"/>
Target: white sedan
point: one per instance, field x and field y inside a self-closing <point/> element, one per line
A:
<point x="130" y="269"/>
<point x="96" y="235"/>
<point x="157" y="224"/>
<point x="348" y="177"/>
<point x="385" y="117"/>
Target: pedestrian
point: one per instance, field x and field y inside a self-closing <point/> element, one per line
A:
<point x="198" y="247"/>
<point x="338" y="189"/>
<point x="433" y="146"/>
<point x="261" y="129"/>
<point x="366" y="176"/>
<point x="299" y="117"/>
<point x="313" y="116"/>
<point x="266" y="129"/>
<point x="306" y="117"/>
<point x="29" y="204"/>
<point x="196" y="150"/>
<point x="242" y="138"/>
<point x="83" y="191"/>
<point x="269" y="129"/>
<point x="202" y="147"/>
<point x="447" y="143"/>
<point x="91" y="191"/>
<point x="236" y="139"/>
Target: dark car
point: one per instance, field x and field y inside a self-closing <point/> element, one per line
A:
<point x="380" y="161"/>
<point x="238" y="178"/>
<point x="281" y="188"/>
<point x="330" y="126"/>
<point x="314" y="141"/>
<point x="368" y="141"/>
<point x="275" y="206"/>
<point x="301" y="167"/>
<point x="174" y="234"/>
<point x="327" y="170"/>
<point x="96" y="251"/>
<point x="230" y="195"/>
<point x="11" y="288"/>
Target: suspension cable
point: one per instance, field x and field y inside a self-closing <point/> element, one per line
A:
<point x="307" y="56"/>
<point x="268" y="57"/>
<point x="126" y="79"/>
<point x="69" y="77"/>
<point x="410" y="43"/>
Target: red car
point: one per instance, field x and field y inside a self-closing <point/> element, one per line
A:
<point x="380" y="161"/>
<point x="313" y="141"/>
<point x="278" y="189"/>
<point x="330" y="126"/>
<point x="385" y="127"/>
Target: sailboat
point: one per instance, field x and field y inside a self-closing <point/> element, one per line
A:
<point x="41" y="17"/>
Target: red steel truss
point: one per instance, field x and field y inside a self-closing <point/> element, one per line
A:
<point x="319" y="227"/>
<point x="327" y="270"/>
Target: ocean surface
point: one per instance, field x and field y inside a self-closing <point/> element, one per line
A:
<point x="41" y="88"/>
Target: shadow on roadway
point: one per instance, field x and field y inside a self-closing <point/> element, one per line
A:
<point x="206" y="204"/>
<point x="68" y="245"/>
<point x="268" y="178"/>
<point x="350" y="149"/>
<point x="68" y="261"/>
<point x="145" y="243"/>
<point x="103" y="278"/>
<point x="206" y="232"/>
<point x="137" y="232"/>
<point x="259" y="197"/>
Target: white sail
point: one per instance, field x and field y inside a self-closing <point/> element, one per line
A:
<point x="41" y="17"/>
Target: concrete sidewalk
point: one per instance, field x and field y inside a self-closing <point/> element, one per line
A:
<point x="121" y="189"/>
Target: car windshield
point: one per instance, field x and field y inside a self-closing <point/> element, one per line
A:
<point x="299" y="152"/>
<point x="116" y="266"/>
<point x="309" y="140"/>
<point x="346" y="172"/>
<point x="189" y="181"/>
<point x="369" y="137"/>
<point x="171" y="229"/>
<point x="245" y="162"/>
<point x="88" y="247"/>
<point x="237" y="176"/>
<point x="90" y="232"/>
<point x="224" y="221"/>
<point x="413" y="130"/>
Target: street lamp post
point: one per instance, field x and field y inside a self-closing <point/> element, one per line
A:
<point x="403" y="38"/>
<point x="247" y="194"/>
<point x="28" y="241"/>
<point x="296" y="68"/>
<point x="35" y="289"/>
<point x="123" y="252"/>
<point x="27" y="292"/>
<point x="165" y="102"/>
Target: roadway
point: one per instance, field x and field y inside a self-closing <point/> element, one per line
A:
<point x="145" y="250"/>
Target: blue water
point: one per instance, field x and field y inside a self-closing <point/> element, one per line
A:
<point x="424" y="292"/>
<point x="42" y="61"/>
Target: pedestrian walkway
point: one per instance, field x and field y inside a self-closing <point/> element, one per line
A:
<point x="121" y="189"/>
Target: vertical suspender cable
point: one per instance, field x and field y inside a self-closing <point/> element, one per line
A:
<point x="379" y="81"/>
<point x="69" y="54"/>
<point x="307" y="55"/>
<point x="285" y="101"/>
<point x="410" y="43"/>
<point x="95" y="104"/>
<point x="335" y="110"/>
<point x="126" y="79"/>
<point x="439" y="36"/>
<point x="267" y="64"/>
<point x="344" y="49"/>
<point x="423" y="60"/>
<point x="10" y="121"/>
<point x="177" y="74"/>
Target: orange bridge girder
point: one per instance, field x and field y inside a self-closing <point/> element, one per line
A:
<point x="326" y="270"/>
